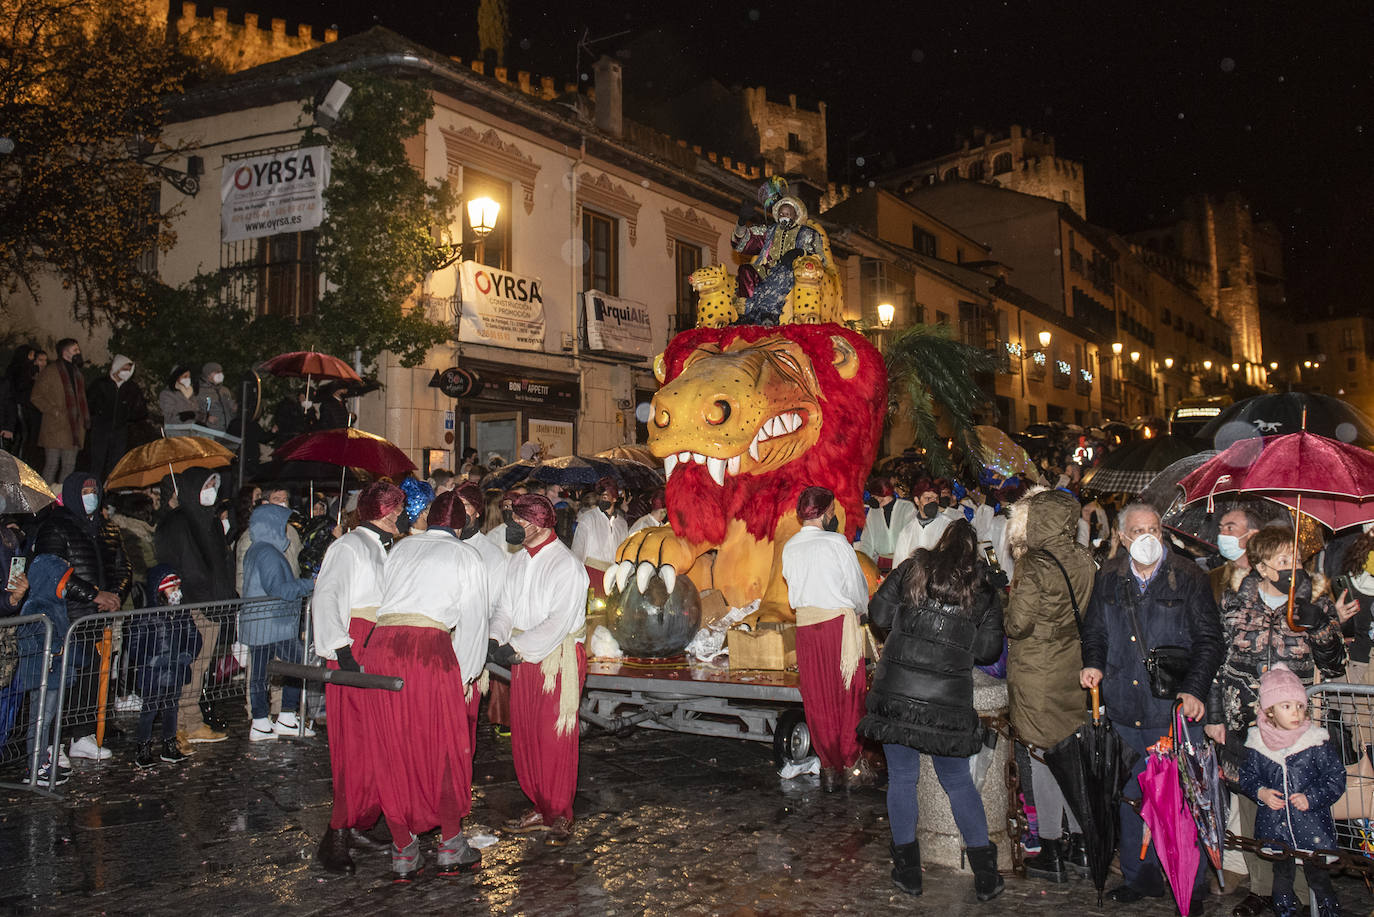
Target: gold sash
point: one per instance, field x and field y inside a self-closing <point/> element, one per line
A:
<point x="563" y="662"/>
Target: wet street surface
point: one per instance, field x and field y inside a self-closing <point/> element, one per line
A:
<point x="666" y="824"/>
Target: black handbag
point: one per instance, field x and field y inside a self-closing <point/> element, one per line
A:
<point x="1168" y="666"/>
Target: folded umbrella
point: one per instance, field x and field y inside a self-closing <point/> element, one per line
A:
<point x="22" y="490"/>
<point x="145" y="465"/>
<point x="1203" y="791"/>
<point x="1092" y="767"/>
<point x="1170" y="824"/>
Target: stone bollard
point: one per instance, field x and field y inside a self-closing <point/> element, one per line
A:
<point x="940" y="839"/>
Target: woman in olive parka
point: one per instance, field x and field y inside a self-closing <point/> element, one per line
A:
<point x="1043" y="661"/>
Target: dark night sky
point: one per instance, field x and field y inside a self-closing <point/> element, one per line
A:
<point x="1274" y="100"/>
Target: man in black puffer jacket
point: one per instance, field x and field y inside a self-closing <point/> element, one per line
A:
<point x="1148" y="597"/>
<point x="78" y="533"/>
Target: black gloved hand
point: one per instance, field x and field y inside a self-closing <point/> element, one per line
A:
<point x="998" y="578"/>
<point x="787" y="259"/>
<point x="1308" y="614"/>
<point x="186" y="416"/>
<point x="746" y="209"/>
<point x="503" y="654"/>
<point x="346" y="660"/>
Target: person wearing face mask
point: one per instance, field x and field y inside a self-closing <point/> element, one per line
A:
<point x="214" y="399"/>
<point x="827" y="589"/>
<point x="1258" y="636"/>
<point x="348" y="592"/>
<point x="161" y="648"/>
<point x="59" y="392"/>
<point x="925" y="529"/>
<point x="1358" y="564"/>
<point x="1235" y="528"/>
<point x="1145" y="598"/>
<point x="117" y="403"/>
<point x="887" y="516"/>
<point x="177" y="401"/>
<point x="78" y="532"/>
<point x="538" y="630"/>
<point x="600" y="529"/>
<point x="189" y="539"/>
<point x="281" y="496"/>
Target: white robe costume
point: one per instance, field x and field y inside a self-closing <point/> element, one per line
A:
<point x="879" y="538"/>
<point x="543" y="601"/>
<point x="598" y="537"/>
<point x="350" y="580"/>
<point x="916" y="535"/>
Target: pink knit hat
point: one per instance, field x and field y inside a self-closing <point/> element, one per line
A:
<point x="1280" y="684"/>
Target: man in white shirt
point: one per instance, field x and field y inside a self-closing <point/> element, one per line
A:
<point x="887" y="516"/>
<point x="655" y="515"/>
<point x="600" y="529"/>
<point x="925" y="529"/>
<point x="343" y="611"/>
<point x="827" y="589"/>
<point x="494" y="559"/>
<point x="539" y="630"/>
<point x="431" y="631"/>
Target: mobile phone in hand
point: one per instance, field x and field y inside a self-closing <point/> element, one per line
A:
<point x="1342" y="584"/>
<point x="17" y="565"/>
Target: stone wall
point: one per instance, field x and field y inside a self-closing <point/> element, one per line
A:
<point x="238" y="46"/>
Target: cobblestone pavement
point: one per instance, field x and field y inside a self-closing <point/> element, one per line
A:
<point x="666" y="824"/>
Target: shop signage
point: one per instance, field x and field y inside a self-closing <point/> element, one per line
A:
<point x="500" y="308"/>
<point x="617" y="325"/>
<point x="273" y="193"/>
<point x="499" y="385"/>
<point x="555" y="437"/>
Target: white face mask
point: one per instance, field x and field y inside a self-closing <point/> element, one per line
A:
<point x="184" y="384"/>
<point x="217" y="378"/>
<point x="124" y="374"/>
<point x="89" y="502"/>
<point x="173" y="596"/>
<point x="307" y="405"/>
<point x="1229" y="546"/>
<point x="1146" y="550"/>
<point x="1274" y="601"/>
<point x="207" y="496"/>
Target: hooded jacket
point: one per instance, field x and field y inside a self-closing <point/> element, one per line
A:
<point x="90" y="543"/>
<point x="268" y="574"/>
<point x="1312" y="766"/>
<point x="1044" y="654"/>
<point x="214" y="399"/>
<point x="114" y="406"/>
<point x="53" y="586"/>
<point x="161" y="644"/>
<point x="922" y="693"/>
<point x="190" y="539"/>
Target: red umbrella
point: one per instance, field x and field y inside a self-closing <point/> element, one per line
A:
<point x="305" y="364"/>
<point x="349" y="448"/>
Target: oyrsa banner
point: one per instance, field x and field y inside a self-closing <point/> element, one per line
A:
<point x="617" y="325"/>
<point x="273" y="193"/>
<point x="500" y="308"/>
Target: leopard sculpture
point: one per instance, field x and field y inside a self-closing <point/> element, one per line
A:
<point x="715" y="288"/>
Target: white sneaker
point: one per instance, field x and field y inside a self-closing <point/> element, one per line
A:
<point x="262" y="731"/>
<point x="288" y="725"/>
<point x="85" y="747"/>
<point x="130" y="703"/>
<point x="62" y="760"/>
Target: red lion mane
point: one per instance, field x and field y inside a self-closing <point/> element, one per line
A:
<point x="852" y="413"/>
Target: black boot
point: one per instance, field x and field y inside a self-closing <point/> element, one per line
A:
<point x="1076" y="857"/>
<point x="357" y="838"/>
<point x="987" y="884"/>
<point x="146" y="757"/>
<point x="906" y="867"/>
<point x="1049" y="862"/>
<point x="333" y="852"/>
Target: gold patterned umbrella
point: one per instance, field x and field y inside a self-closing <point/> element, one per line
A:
<point x="22" y="490"/>
<point x="149" y="463"/>
<point x="631" y="453"/>
<point x="1003" y="455"/>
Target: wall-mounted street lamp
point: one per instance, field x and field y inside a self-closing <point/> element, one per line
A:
<point x="141" y="150"/>
<point x="1135" y="356"/>
<point x="1207" y="365"/>
<point x="1116" y="348"/>
<point x="1168" y="362"/>
<point x="482" y="214"/>
<point x="886" y="313"/>
<point x="1235" y="367"/>
<point x="1274" y="365"/>
<point x="1044" y="339"/>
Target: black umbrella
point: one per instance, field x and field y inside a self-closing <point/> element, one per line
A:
<point x="634" y="475"/>
<point x="1092" y="767"/>
<point x="1280" y="413"/>
<point x="1131" y="468"/>
<point x="351" y="388"/>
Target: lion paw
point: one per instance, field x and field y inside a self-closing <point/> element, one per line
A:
<point x="646" y="552"/>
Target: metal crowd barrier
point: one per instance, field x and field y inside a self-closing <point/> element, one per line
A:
<point x="1347" y="712"/>
<point x="118" y="667"/>
<point x="26" y="643"/>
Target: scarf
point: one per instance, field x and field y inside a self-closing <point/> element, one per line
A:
<point x="74" y="390"/>
<point x="1277" y="739"/>
<point x="559" y="669"/>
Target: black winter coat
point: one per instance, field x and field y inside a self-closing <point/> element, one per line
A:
<point x="1176" y="609"/>
<point x="92" y="545"/>
<point x="922" y="693"/>
<point x="191" y="540"/>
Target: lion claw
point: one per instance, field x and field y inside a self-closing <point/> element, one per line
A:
<point x="669" y="575"/>
<point x="643" y="575"/>
<point x="622" y="574"/>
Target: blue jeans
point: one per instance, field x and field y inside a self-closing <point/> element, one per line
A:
<point x="956" y="779"/>
<point x="258" y="656"/>
<point x="1145" y="875"/>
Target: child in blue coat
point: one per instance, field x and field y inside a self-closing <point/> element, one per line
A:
<point x="1295" y="774"/>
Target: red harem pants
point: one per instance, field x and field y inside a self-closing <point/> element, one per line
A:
<point x="423" y="752"/>
<point x="832" y="710"/>
<point x="355" y="790"/>
<point x="545" y="762"/>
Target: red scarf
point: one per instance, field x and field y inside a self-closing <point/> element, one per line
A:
<point x="74" y="390"/>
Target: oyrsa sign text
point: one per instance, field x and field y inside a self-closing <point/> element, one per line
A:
<point x="506" y="286"/>
<point x="274" y="171"/>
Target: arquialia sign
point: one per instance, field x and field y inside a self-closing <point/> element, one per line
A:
<point x="616" y="325"/>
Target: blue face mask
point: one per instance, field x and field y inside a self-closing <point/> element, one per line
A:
<point x="1229" y="546"/>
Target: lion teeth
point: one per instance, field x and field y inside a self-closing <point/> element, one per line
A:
<point x="698" y="458"/>
<point x="669" y="464"/>
<point x="732" y="465"/>
<point x="716" y="468"/>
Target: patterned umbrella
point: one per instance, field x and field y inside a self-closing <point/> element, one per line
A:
<point x="22" y="490"/>
<point x="573" y="469"/>
<point x="1130" y="469"/>
<point x="149" y="463"/>
<point x="1003" y="455"/>
<point x="508" y="476"/>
